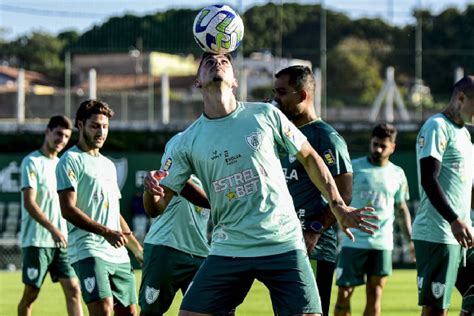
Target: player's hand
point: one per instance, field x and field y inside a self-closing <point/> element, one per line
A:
<point x="138" y="253"/>
<point x="311" y="238"/>
<point x="115" y="238"/>
<point x="152" y="180"/>
<point x="58" y="237"/>
<point x="350" y="217"/>
<point x="462" y="233"/>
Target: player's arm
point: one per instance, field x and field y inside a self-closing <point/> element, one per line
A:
<point x="322" y="178"/>
<point x="133" y="244"/>
<point x="29" y="201"/>
<point x="430" y="169"/>
<point x="156" y="197"/>
<point x="404" y="222"/>
<point x="69" y="210"/>
<point x="194" y="194"/>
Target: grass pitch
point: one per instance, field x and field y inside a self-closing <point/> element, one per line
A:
<point x="400" y="297"/>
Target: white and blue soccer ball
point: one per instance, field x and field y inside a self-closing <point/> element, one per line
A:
<point x="218" y="29"/>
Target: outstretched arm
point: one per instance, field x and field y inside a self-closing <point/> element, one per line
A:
<point x="322" y="178"/>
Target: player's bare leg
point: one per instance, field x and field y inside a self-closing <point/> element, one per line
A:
<point x="374" y="289"/>
<point x="343" y="303"/>
<point x="30" y="294"/>
<point x="103" y="307"/>
<point x="72" y="292"/>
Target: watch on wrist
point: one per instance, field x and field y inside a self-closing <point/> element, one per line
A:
<point x="315" y="226"/>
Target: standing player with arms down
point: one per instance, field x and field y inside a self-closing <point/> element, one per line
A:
<point x="175" y="247"/>
<point x="233" y="149"/>
<point x="382" y="185"/>
<point x="89" y="197"/>
<point x="442" y="224"/>
<point x="294" y="92"/>
<point x="43" y="230"/>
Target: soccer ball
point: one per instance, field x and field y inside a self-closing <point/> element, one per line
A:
<point x="218" y="29"/>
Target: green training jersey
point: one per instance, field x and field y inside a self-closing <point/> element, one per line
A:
<point x="182" y="226"/>
<point x="451" y="146"/>
<point x="307" y="199"/>
<point x="381" y="187"/>
<point x="94" y="179"/>
<point x="38" y="173"/>
<point x="236" y="158"/>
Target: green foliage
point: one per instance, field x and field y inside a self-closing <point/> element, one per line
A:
<point x="354" y="70"/>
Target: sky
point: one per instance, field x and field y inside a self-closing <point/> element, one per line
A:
<point x="20" y="17"/>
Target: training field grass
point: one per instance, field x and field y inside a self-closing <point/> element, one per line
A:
<point x="400" y="297"/>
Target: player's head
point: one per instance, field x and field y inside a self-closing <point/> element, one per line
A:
<point x="57" y="134"/>
<point x="215" y="69"/>
<point x="92" y="120"/>
<point x="463" y="97"/>
<point x="294" y="89"/>
<point x="382" y="143"/>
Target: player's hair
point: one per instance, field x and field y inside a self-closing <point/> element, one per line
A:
<point x="91" y="107"/>
<point x="59" y="120"/>
<point x="465" y="85"/>
<point x="301" y="78"/>
<point x="207" y="54"/>
<point x="384" y="130"/>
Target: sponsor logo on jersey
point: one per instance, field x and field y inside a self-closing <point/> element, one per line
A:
<point x="89" y="284"/>
<point x="32" y="176"/>
<point x="151" y="294"/>
<point x="71" y="175"/>
<point x="442" y="145"/>
<point x="419" y="281"/>
<point x="168" y="164"/>
<point x="32" y="273"/>
<point x="229" y="160"/>
<point x="287" y="131"/>
<point x="421" y="141"/>
<point x="290" y="175"/>
<point x="215" y="155"/>
<point x="254" y="140"/>
<point x="238" y="185"/>
<point x="219" y="235"/>
<point x="437" y="289"/>
<point x="329" y="157"/>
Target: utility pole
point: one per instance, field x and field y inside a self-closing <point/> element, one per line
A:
<point x="323" y="50"/>
<point x="419" y="53"/>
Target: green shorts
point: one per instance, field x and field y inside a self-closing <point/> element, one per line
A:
<point x="38" y="261"/>
<point x="223" y="282"/>
<point x="465" y="282"/>
<point x="165" y="271"/>
<point x="354" y="263"/>
<point x="100" y="279"/>
<point x="437" y="267"/>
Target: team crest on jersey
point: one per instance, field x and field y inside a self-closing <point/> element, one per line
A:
<point x="419" y="281"/>
<point x="437" y="289"/>
<point x="291" y="158"/>
<point x="421" y="141"/>
<point x="32" y="273"/>
<point x="89" y="284"/>
<point x="168" y="164"/>
<point x="329" y="157"/>
<point x="151" y="294"/>
<point x="254" y="140"/>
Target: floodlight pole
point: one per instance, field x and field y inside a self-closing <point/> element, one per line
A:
<point x="323" y="50"/>
<point x="20" y="104"/>
<point x="67" y="84"/>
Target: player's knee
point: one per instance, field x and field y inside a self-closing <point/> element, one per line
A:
<point x="345" y="293"/>
<point x="30" y="295"/>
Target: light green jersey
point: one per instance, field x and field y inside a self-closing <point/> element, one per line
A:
<point x="236" y="158"/>
<point x="182" y="226"/>
<point x="451" y="145"/>
<point x="38" y="173"/>
<point x="94" y="179"/>
<point x="381" y="187"/>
